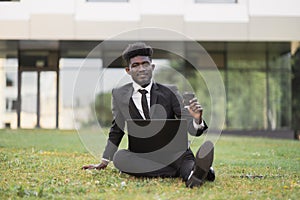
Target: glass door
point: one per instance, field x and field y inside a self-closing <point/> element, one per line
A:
<point x="48" y="99"/>
<point x="38" y="99"/>
<point x="38" y="85"/>
<point x="29" y="99"/>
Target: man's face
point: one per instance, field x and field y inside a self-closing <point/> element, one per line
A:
<point x="140" y="69"/>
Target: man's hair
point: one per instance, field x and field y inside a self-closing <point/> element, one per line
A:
<point x="137" y="49"/>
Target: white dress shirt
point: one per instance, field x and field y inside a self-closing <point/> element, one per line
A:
<point x="137" y="96"/>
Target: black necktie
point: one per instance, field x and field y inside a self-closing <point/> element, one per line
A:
<point x="145" y="104"/>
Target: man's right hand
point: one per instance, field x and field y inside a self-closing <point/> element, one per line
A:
<point x="100" y="166"/>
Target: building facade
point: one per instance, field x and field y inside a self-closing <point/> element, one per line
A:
<point x="43" y="43"/>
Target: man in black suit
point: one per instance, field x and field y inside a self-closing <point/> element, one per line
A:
<point x="137" y="100"/>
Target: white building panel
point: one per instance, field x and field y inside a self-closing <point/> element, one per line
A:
<point x="246" y="20"/>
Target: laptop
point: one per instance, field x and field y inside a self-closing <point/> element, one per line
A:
<point x="157" y="135"/>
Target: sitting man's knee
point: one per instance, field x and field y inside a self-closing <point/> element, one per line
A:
<point x="119" y="158"/>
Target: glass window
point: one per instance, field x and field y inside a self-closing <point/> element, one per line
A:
<point x="11" y="74"/>
<point x="11" y="105"/>
<point x="38" y="58"/>
<point x="279" y="93"/>
<point x="9" y="81"/>
<point x="246" y="86"/>
<point x="246" y="55"/>
<point x="258" y="81"/>
<point x="78" y="87"/>
<point x="246" y="100"/>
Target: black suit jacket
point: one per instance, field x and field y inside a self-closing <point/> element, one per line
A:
<point x="165" y="102"/>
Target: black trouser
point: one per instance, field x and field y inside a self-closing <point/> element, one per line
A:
<point x="141" y="166"/>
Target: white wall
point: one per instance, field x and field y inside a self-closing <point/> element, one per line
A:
<point x="284" y="8"/>
<point x="2" y="94"/>
<point x="247" y="20"/>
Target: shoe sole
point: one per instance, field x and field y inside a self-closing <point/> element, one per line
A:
<point x="205" y="156"/>
<point x="193" y="181"/>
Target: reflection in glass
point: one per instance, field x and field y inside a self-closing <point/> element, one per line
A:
<point x="78" y="88"/>
<point x="279" y="82"/>
<point x="247" y="103"/>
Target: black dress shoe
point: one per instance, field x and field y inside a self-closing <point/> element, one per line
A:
<point x="211" y="175"/>
<point x="203" y="162"/>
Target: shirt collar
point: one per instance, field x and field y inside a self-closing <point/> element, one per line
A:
<point x="136" y="86"/>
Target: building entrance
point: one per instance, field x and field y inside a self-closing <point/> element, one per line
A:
<point x="38" y="78"/>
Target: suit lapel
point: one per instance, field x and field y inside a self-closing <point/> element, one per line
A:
<point x="126" y="95"/>
<point x="153" y="98"/>
<point x="124" y="99"/>
<point x="128" y="105"/>
<point x="133" y="111"/>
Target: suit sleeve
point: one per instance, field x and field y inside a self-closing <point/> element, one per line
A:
<point x="182" y="112"/>
<point x="116" y="132"/>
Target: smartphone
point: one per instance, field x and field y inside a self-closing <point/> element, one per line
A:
<point x="187" y="96"/>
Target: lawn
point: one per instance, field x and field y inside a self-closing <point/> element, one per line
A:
<point x="46" y="164"/>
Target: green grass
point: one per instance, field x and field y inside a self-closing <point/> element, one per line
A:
<point x="46" y="164"/>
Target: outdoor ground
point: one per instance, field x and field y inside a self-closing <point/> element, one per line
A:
<point x="46" y="164"/>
